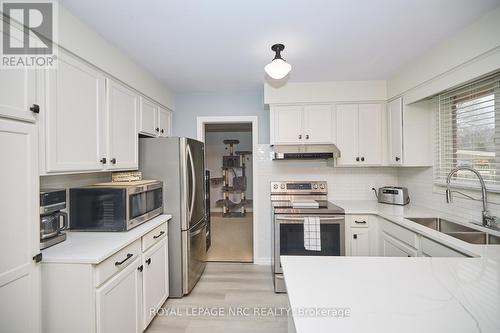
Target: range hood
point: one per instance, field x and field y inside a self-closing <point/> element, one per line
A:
<point x="305" y="152"/>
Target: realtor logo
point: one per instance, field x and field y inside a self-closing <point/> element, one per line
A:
<point x="29" y="34"/>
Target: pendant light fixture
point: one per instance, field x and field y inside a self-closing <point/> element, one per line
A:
<point x="278" y="68"/>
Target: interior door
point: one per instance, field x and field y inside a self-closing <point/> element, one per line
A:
<point x="20" y="302"/>
<point x="347" y="133"/>
<point x="370" y="134"/>
<point x="122" y="118"/>
<point x="195" y="155"/>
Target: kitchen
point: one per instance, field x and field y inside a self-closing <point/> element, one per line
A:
<point x="373" y="157"/>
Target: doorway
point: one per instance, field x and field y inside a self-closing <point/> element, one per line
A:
<point x="229" y="149"/>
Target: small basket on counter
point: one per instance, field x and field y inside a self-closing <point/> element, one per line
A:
<point x="126" y="176"/>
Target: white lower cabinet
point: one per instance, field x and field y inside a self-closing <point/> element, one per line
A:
<point x="360" y="242"/>
<point x="430" y="248"/>
<point x="119" y="302"/>
<point x="118" y="295"/>
<point x="155" y="280"/>
<point x="391" y="247"/>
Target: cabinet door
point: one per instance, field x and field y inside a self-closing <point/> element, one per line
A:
<point x="347" y="133"/>
<point x="164" y="122"/>
<point x="74" y="118"/>
<point x="148" y="118"/>
<point x="18" y="94"/>
<point x="155" y="281"/>
<point x="370" y="134"/>
<point x="19" y="240"/>
<point x="395" y="130"/>
<point x="119" y="302"/>
<point x="318" y="124"/>
<point x="287" y="124"/>
<point x="393" y="248"/>
<point x="360" y="243"/>
<point x="122" y="117"/>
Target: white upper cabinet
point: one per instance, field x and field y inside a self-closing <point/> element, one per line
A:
<point x="287" y="124"/>
<point x="347" y="133"/>
<point x="20" y="302"/>
<point x="122" y="119"/>
<point x="359" y="134"/>
<point x="318" y="120"/>
<point x="164" y="122"/>
<point x="301" y="124"/>
<point x="18" y="94"/>
<point x="370" y="133"/>
<point x="395" y="127"/>
<point x="155" y="120"/>
<point x="74" y="116"/>
<point x="148" y="117"/>
<point x="410" y="133"/>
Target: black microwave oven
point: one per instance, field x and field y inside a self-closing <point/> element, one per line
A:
<point x="114" y="207"/>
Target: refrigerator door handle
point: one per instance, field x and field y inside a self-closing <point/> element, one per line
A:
<point x="193" y="181"/>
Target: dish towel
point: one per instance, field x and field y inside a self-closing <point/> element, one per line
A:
<point x="312" y="233"/>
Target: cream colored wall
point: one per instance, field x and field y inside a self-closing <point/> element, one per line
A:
<point x="80" y="39"/>
<point x="470" y="53"/>
<point x="333" y="91"/>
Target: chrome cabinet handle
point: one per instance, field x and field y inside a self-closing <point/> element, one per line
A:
<point x="159" y="235"/>
<point x="129" y="255"/>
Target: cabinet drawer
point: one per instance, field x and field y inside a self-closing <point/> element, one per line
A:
<point x="401" y="234"/>
<point x="154" y="236"/>
<point x="117" y="262"/>
<point x="431" y="248"/>
<point x="360" y="221"/>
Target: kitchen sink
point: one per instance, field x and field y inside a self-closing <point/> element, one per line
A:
<point x="466" y="234"/>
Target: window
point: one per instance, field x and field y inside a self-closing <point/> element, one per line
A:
<point x="468" y="133"/>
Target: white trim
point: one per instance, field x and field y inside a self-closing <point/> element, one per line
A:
<point x="200" y="128"/>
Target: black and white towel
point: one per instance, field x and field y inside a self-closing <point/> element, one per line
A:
<point x="312" y="233"/>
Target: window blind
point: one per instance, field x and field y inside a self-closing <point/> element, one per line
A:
<point x="468" y="133"/>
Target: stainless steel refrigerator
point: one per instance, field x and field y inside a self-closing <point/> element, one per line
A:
<point x="179" y="163"/>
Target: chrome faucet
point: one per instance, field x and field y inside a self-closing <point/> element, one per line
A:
<point x="488" y="220"/>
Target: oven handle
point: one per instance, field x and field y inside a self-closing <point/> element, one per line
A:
<point x="301" y="219"/>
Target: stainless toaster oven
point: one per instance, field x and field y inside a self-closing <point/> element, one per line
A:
<point x="393" y="195"/>
<point x="114" y="207"/>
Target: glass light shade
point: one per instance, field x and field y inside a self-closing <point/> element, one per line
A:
<point x="278" y="69"/>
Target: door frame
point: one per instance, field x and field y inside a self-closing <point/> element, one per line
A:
<point x="200" y="126"/>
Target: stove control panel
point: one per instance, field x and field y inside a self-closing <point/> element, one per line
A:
<point x="296" y="187"/>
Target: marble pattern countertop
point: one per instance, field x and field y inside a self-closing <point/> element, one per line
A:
<point x="82" y="247"/>
<point x="398" y="294"/>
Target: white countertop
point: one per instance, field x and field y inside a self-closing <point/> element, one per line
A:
<point x="398" y="294"/>
<point x="94" y="247"/>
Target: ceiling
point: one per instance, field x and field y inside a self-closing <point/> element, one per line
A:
<point x="223" y="45"/>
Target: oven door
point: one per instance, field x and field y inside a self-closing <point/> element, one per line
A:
<point x="289" y="237"/>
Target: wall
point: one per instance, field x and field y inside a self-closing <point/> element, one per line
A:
<point x="190" y="106"/>
<point x="333" y="91"/>
<point x="214" y="150"/>
<point x="472" y="52"/>
<point x="423" y="193"/>
<point x="80" y="39"/>
<point x="343" y="184"/>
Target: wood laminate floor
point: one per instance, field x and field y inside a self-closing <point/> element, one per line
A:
<point x="222" y="288"/>
<point x="232" y="238"/>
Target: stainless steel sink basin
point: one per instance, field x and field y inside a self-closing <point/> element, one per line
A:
<point x="466" y="234"/>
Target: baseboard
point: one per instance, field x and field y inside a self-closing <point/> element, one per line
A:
<point x="262" y="261"/>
